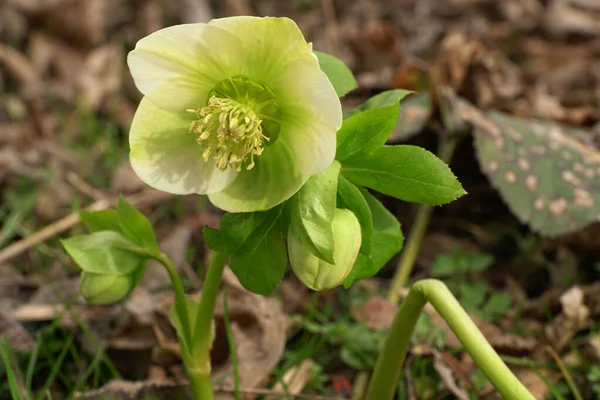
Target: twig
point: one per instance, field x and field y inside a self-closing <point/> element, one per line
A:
<point x="85" y="188"/>
<point x="269" y="392"/>
<point x="148" y="196"/>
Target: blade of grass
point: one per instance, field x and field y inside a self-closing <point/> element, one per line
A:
<point x="13" y="384"/>
<point x="55" y="368"/>
<point x="565" y="372"/>
<point x="33" y="358"/>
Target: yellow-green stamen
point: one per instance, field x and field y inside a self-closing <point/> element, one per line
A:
<point x="229" y="131"/>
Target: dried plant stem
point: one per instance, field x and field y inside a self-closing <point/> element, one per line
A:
<point x="389" y="364"/>
<point x="148" y="196"/>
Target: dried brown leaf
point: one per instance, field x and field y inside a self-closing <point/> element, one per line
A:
<point x="376" y="313"/>
<point x="259" y="329"/>
<point x="574" y="317"/>
<point x="446" y="373"/>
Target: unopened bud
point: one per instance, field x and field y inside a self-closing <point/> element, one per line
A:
<point x="318" y="274"/>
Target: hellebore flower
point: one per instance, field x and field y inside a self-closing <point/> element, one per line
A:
<point x="318" y="274"/>
<point x="237" y="109"/>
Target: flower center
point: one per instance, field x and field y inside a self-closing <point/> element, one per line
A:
<point x="229" y="131"/>
<point x="239" y="121"/>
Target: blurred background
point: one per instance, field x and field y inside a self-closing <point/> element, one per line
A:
<point x="515" y="83"/>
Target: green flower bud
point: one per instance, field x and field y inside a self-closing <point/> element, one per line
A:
<point x="103" y="290"/>
<point x="318" y="274"/>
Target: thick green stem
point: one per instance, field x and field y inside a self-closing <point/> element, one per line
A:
<point x="417" y="231"/>
<point x="200" y="385"/>
<point x="389" y="364"/>
<point x="198" y="365"/>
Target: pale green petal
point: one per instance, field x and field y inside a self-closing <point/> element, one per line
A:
<point x="176" y="67"/>
<point x="166" y="156"/>
<point x="272" y="45"/>
<point x="274" y="179"/>
<point x="311" y="115"/>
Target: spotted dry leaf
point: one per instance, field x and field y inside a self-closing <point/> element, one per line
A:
<point x="547" y="175"/>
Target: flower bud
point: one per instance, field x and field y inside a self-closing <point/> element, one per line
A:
<point x="103" y="290"/>
<point x="318" y="274"/>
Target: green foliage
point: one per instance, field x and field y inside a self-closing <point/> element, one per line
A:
<point x="476" y="297"/>
<point x="103" y="220"/>
<point x="18" y="207"/>
<point x="364" y="161"/>
<point x="113" y="257"/>
<point x="383" y="99"/>
<point x="593" y="376"/>
<point x="366" y="131"/>
<point x="360" y="346"/>
<point x="312" y="210"/>
<point x="339" y="74"/>
<point x="135" y="225"/>
<point x="260" y="263"/>
<point x="104" y="252"/>
<point x="460" y="262"/>
<point x="13" y="384"/>
<point x="235" y="228"/>
<point x="409" y="173"/>
<point x="55" y="360"/>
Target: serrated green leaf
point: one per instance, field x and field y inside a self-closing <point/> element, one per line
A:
<point x="261" y="262"/>
<point x="350" y="197"/>
<point x="544" y="172"/>
<point x="234" y="230"/>
<point x="366" y="131"/>
<point x="105" y="253"/>
<point x="386" y="241"/>
<point x="312" y="210"/>
<point x="339" y="74"/>
<point x="383" y="99"/>
<point x="409" y="173"/>
<point x="103" y="220"/>
<point x="135" y="225"/>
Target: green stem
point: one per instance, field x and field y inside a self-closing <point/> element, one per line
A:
<point x="200" y="384"/>
<point x="180" y="302"/>
<point x="198" y="367"/>
<point x="389" y="364"/>
<point x="410" y="252"/>
<point x="417" y="231"/>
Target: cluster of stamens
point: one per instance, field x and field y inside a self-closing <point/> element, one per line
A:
<point x="229" y="132"/>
